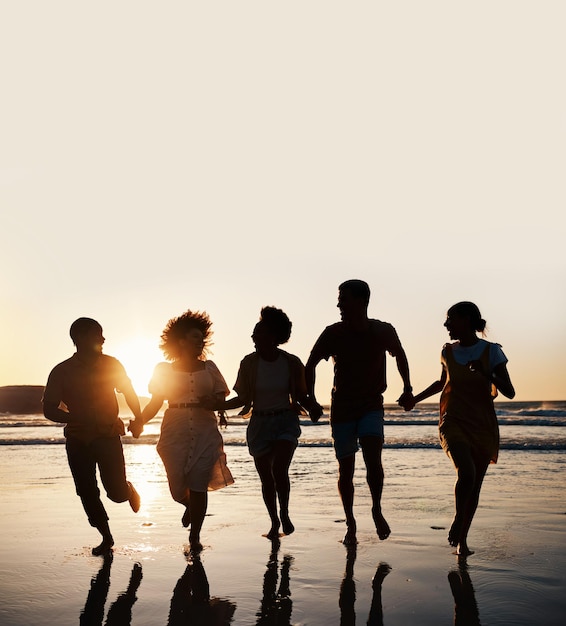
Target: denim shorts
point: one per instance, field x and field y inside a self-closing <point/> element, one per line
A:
<point x="346" y="435"/>
<point x="263" y="431"/>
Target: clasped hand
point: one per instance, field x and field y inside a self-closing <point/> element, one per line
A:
<point x="406" y="400"/>
<point x="315" y="411"/>
<point x="135" y="427"/>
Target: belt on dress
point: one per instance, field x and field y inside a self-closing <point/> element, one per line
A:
<point x="271" y="413"/>
<point x="183" y="405"/>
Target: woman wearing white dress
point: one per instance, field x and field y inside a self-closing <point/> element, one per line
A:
<point x="190" y="444"/>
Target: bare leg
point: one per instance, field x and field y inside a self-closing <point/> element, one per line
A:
<point x="481" y="469"/>
<point x="283" y="454"/>
<point x="107" y="540"/>
<point x="371" y="449"/>
<point x="199" y="503"/>
<point x="264" y="466"/>
<point x="471" y="472"/>
<point x="346" y="468"/>
<point x="186" y="519"/>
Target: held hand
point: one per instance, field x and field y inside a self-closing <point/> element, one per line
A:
<point x="406" y="400"/>
<point x="315" y="411"/>
<point x="222" y="421"/>
<point x="136" y="428"/>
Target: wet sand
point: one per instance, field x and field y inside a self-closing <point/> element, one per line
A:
<point x="516" y="576"/>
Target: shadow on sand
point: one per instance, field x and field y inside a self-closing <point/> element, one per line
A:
<point x="191" y="602"/>
<point x="120" y="612"/>
<point x="276" y="604"/>
<point x="466" y="611"/>
<point x="347" y="597"/>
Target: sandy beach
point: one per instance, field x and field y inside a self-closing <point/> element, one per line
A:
<point x="516" y="576"/>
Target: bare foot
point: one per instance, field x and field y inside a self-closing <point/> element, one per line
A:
<point x="381" y="525"/>
<point x="274" y="532"/>
<point x="134" y="498"/>
<point x="350" y="538"/>
<point x="103" y="548"/>
<point x="286" y="524"/>
<point x="454" y="533"/>
<point x="194" y="541"/>
<point x="462" y="549"/>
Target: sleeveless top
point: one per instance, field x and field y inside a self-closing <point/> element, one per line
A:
<point x="467" y="414"/>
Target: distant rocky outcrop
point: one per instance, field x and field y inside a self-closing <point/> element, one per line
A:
<point x="21" y="399"/>
<point x="26" y="400"/>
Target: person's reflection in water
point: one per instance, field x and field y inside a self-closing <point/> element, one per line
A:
<point x="191" y="602"/>
<point x="120" y="612"/>
<point x="276" y="604"/>
<point x="347" y="597"/>
<point x="465" y="607"/>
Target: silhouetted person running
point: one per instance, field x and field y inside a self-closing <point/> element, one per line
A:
<point x="81" y="393"/>
<point x="358" y="346"/>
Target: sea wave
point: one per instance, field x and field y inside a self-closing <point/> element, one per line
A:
<point x="523" y="426"/>
<point x="542" y="446"/>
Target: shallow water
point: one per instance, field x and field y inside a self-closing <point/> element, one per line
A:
<point x="517" y="575"/>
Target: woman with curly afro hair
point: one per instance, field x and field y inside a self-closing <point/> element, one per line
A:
<point x="190" y="444"/>
<point x="271" y="384"/>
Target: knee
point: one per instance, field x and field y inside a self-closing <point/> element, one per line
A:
<point x="87" y="490"/>
<point x="118" y="493"/>
<point x="117" y="497"/>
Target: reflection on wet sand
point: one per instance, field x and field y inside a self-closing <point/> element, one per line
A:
<point x="347" y="597"/>
<point x="276" y="605"/>
<point x="466" y="611"/>
<point x="120" y="612"/>
<point x="191" y="602"/>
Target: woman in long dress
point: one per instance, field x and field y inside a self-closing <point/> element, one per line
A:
<point x="190" y="444"/>
<point x="473" y="371"/>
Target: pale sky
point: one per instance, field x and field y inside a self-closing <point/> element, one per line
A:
<point x="222" y="156"/>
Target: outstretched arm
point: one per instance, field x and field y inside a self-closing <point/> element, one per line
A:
<point x="149" y="412"/>
<point x="132" y="400"/>
<point x="436" y="387"/>
<point x="314" y="408"/>
<point x="406" y="398"/>
<point x="217" y="402"/>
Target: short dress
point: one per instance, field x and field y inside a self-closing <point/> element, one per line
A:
<point x="467" y="413"/>
<point x="190" y="444"/>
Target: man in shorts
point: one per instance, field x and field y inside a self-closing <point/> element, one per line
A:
<point x="81" y="393"/>
<point x="358" y="346"/>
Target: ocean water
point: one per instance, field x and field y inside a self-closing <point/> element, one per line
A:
<point x="518" y="570"/>
<point x="523" y="426"/>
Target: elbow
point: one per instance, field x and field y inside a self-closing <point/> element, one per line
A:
<point x="508" y="392"/>
<point x="49" y="412"/>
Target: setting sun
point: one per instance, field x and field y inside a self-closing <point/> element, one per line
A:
<point x="139" y="355"/>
